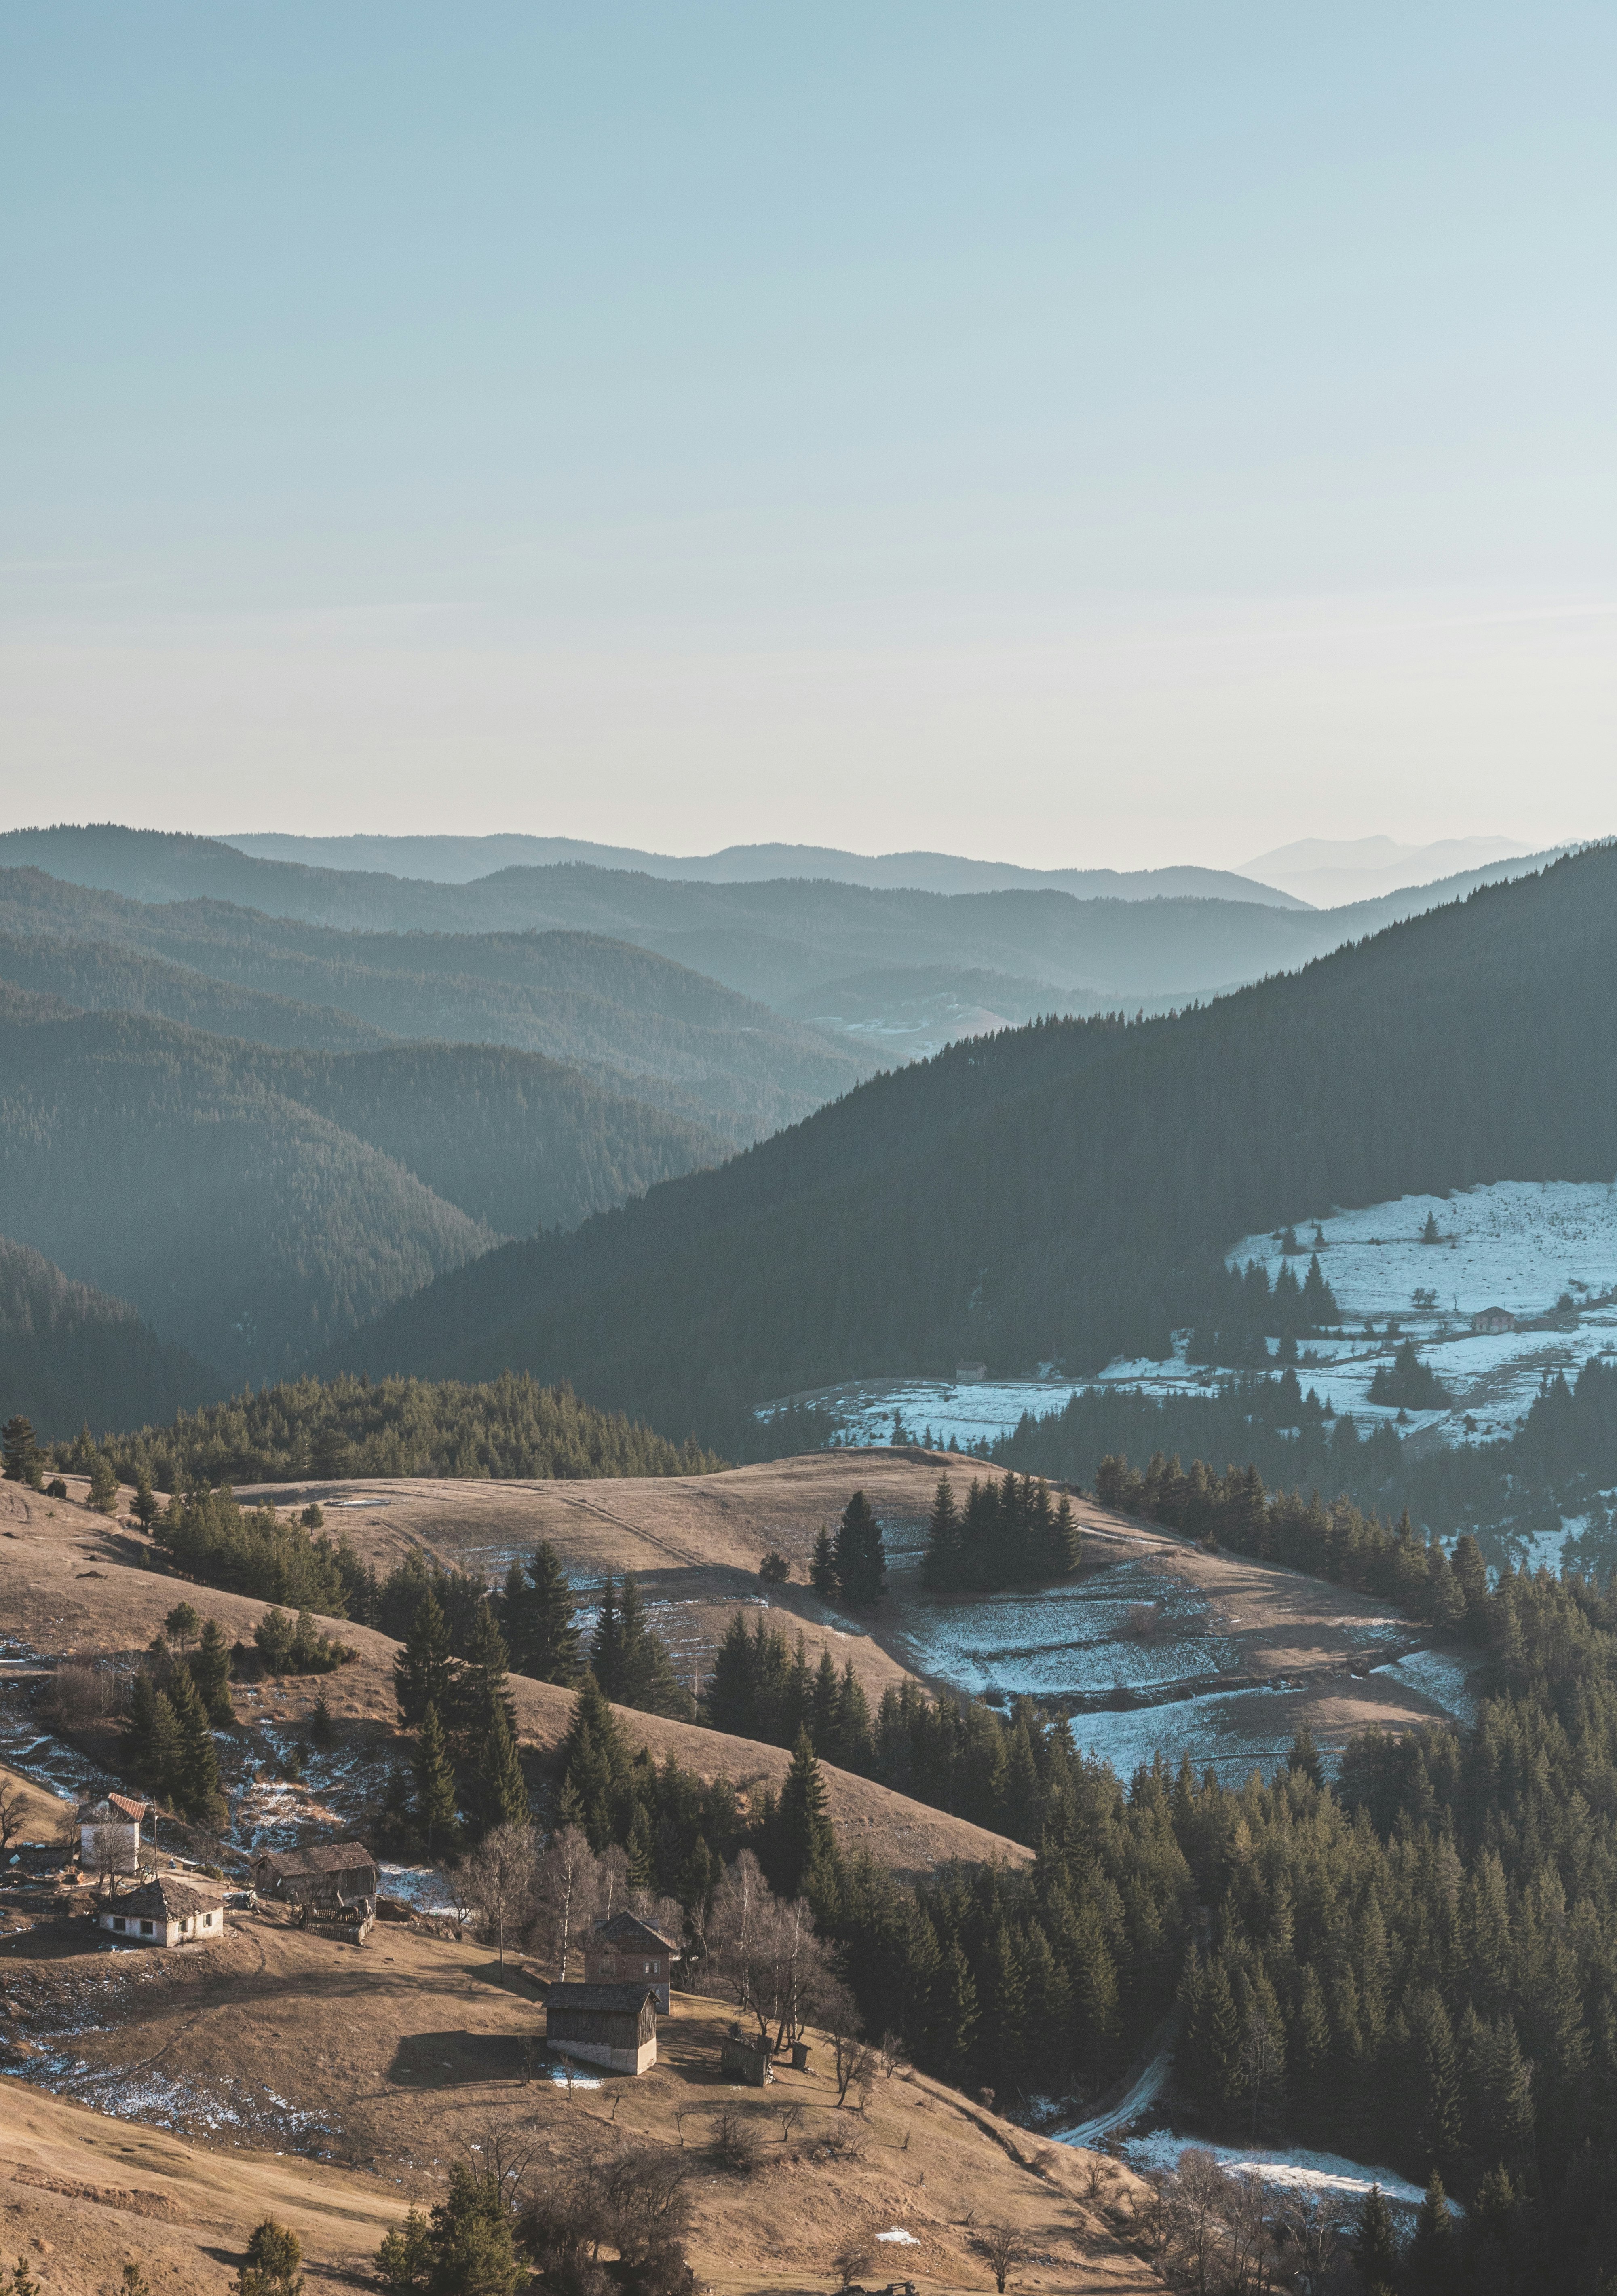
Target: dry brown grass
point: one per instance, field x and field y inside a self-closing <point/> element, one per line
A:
<point x="407" y="2050"/>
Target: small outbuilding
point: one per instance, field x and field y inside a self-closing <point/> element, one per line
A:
<point x="322" y="1876"/>
<point x="971" y="1374"/>
<point x="110" y="1835"/>
<point x="610" y="2025"/>
<point x="627" y="1951"/>
<point x="171" y="1910"/>
<point x="747" y="2057"/>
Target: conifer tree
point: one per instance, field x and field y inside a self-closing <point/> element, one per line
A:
<point x="940" y="1564"/>
<point x="22" y="1451"/>
<point x="803" y="1830"/>
<point x="954" y="2016"/>
<point x="481" y="1692"/>
<point x="104" y="1485"/>
<point x="642" y="1863"/>
<point x="861" y="1570"/>
<point x="138" y="1725"/>
<point x="1067" y="1540"/>
<point x="210" y="1671"/>
<point x="1375" y="2251"/>
<point x="435" y="1788"/>
<point x="146" y="1508"/>
<point x="323" y="1729"/>
<point x="425" y="1671"/>
<point x="166" y="1753"/>
<point x="539" y="1621"/>
<point x="1302" y="1758"/>
<point x="1429" y="2269"/>
<point x="630" y="1663"/>
<point x="730" y="1694"/>
<point x="822" y="1709"/>
<point x="502" y="1798"/>
<point x="595" y="1767"/>
<point x="822" y="1565"/>
<point x="196" y="1786"/>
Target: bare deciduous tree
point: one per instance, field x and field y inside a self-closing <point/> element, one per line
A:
<point x="500" y="1879"/>
<point x="14" y="1806"/>
<point x="849" y="2263"/>
<point x="1000" y="2246"/>
<point x="566" y="1891"/>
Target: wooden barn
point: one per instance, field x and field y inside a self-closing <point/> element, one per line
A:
<point x="170" y="1910"/>
<point x="610" y="2025"/>
<point x="747" y="2057"/>
<point x="627" y="1951"/>
<point x="322" y="1876"/>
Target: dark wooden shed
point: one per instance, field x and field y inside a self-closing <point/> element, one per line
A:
<point x="610" y="2025"/>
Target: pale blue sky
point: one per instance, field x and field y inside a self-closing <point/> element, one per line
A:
<point x="1120" y="435"/>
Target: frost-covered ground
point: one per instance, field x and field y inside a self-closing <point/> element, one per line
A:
<point x="1072" y="1642"/>
<point x="1327" y="2173"/>
<point x="1521" y="1245"/>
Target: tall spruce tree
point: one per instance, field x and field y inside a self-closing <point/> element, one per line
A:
<point x="596" y="1795"/>
<point x="822" y="1563"/>
<point x="21" y="1450"/>
<point x="482" y="1691"/>
<point x="629" y="1661"/>
<point x="537" y="1612"/>
<point x="502" y="1796"/>
<point x="803" y="1830"/>
<point x="196" y="1786"/>
<point x="940" y="1564"/>
<point x="424" y="1670"/>
<point x="435" y="1800"/>
<point x="210" y="1671"/>
<point x="1375" y="2248"/>
<point x="861" y="1568"/>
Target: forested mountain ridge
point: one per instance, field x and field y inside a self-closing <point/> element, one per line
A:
<point x="774" y="939"/>
<point x="69" y="1353"/>
<point x="1062" y="1191"/>
<point x="639" y="1023"/>
<point x="255" y="1202"/>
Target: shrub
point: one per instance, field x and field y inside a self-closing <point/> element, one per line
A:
<point x="735" y="2141"/>
<point x="774" y="1569"/>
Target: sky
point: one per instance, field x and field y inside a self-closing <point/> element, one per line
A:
<point x="1069" y="435"/>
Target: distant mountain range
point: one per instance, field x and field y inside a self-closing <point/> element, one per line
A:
<point x="459" y="860"/>
<point x="788" y="943"/>
<point x="1062" y="1192"/>
<point x="1328" y="872"/>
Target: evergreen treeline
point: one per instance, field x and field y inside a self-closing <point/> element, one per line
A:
<point x="307" y="1428"/>
<point x="1420" y="1964"/>
<point x="1556" y="1464"/>
<point x="1068" y="1191"/>
<point x="1009" y="1533"/>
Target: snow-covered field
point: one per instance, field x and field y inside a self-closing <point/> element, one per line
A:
<point x="1521" y="1245"/>
<point x="1071" y="1642"/>
<point x="1327" y="2173"/>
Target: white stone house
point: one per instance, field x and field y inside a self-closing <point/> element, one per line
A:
<point x="170" y="1910"/>
<point x="109" y="1834"/>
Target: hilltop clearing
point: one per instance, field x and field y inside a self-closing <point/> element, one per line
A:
<point x="1157" y="1647"/>
<point x="381" y="2068"/>
<point x="1065" y="1191"/>
<point x="72" y="1584"/>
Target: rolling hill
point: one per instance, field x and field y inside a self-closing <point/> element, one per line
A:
<point x="642" y="1026"/>
<point x="1064" y="1190"/>
<point x="69" y="1353"/>
<point x="256" y="1203"/>
<point x="776" y="940"/>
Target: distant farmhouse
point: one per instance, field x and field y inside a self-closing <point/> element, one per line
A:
<point x="167" y="1911"/>
<point x="627" y="1951"/>
<point x="1493" y="1319"/>
<point x="610" y="2025"/>
<point x="971" y="1374"/>
<point x="110" y="1836"/>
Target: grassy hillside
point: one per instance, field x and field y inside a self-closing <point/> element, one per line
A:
<point x="254" y="1203"/>
<point x="639" y="1023"/>
<point x="69" y="1353"/>
<point x="1063" y="1190"/>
